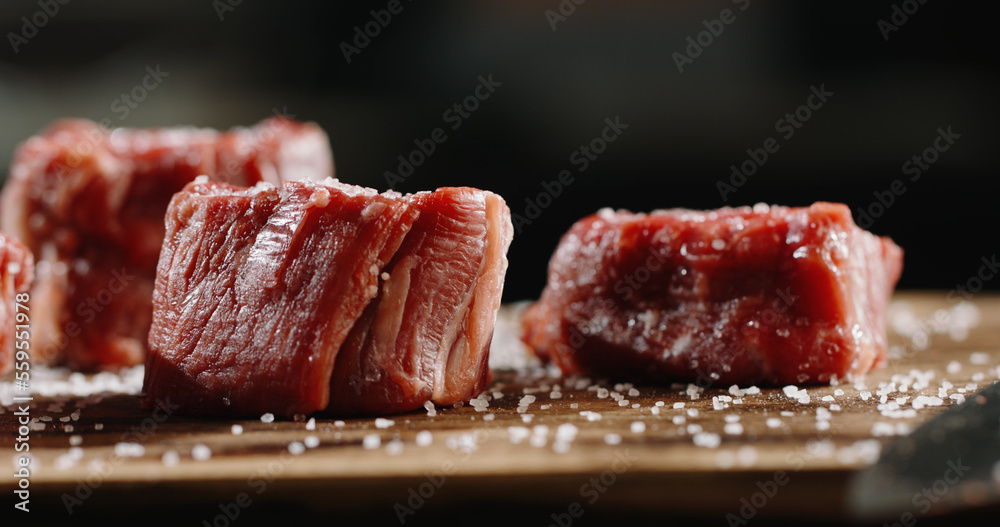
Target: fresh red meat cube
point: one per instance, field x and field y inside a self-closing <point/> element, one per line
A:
<point x="89" y="203"/>
<point x="763" y="295"/>
<point x="262" y="293"/>
<point x="16" y="272"/>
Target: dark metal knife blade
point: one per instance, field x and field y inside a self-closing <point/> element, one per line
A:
<point x="950" y="463"/>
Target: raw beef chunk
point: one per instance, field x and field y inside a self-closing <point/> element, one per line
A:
<point x="261" y="294"/>
<point x="15" y="277"/>
<point x="89" y="203"/>
<point x="768" y="294"/>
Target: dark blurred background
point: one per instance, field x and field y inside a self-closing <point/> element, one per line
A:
<point x="562" y="69"/>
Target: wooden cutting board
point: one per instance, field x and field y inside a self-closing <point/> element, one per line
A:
<point x="566" y="453"/>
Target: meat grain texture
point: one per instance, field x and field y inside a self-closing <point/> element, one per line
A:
<point x="310" y="297"/>
<point x="739" y="295"/>
<point x="16" y="273"/>
<point x="89" y="204"/>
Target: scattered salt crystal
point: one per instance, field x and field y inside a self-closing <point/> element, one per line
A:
<point x="707" y="440"/>
<point x="786" y="413"/>
<point x="75" y="415"/>
<point x="725" y="459"/>
<point x="612" y="439"/>
<point x="394" y="447"/>
<point x="542" y="407"/>
<point x="692" y="412"/>
<point x="267" y="418"/>
<point x="201" y="452"/>
<point x="526" y="400"/>
<point x="311" y="441"/>
<point x="954" y="367"/>
<point x="371" y="442"/>
<point x="694" y="429"/>
<point x="526" y="418"/>
<point x="555" y="395"/>
<point x="660" y="403"/>
<point x="623" y="402"/>
<point x="746" y="455"/>
<point x="733" y="429"/>
<point x="383" y="423"/>
<point x="99" y="426"/>
<point x="638" y="427"/>
<point x="979" y="358"/>
<point x="339" y="424"/>
<point x="488" y="417"/>
<point x="827" y="399"/>
<point x="922" y="400"/>
<point x="678" y="419"/>
<point x="129" y="450"/>
<point x="566" y="432"/>
<point x="591" y="416"/>
<point x="822" y="425"/>
<point x="64" y="419"/>
<point x="959" y="398"/>
<point x="865" y="395"/>
<point x="296" y="448"/>
<point x="68" y="428"/>
<point x="424" y="438"/>
<point x="834" y="407"/>
<point x="517" y="433"/>
<point x="602" y="393"/>
<point x="170" y="458"/>
<point x="236" y="430"/>
<point x="311" y="424"/>
<point x="677" y="406"/>
<point x="431" y="411"/>
<point x="635" y="405"/>
<point x="790" y="391"/>
<point x="773" y="422"/>
<point x="753" y="390"/>
<point x="655" y="410"/>
<point x="732" y="418"/>
<point x="838" y="392"/>
<point x="75" y="440"/>
<point x="823" y="414"/>
<point x="979" y="376"/>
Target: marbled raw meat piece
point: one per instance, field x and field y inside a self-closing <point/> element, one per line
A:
<point x="738" y="295"/>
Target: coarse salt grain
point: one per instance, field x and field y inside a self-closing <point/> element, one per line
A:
<point x="267" y="418"/>
<point x="707" y="440"/>
<point x="296" y="448"/>
<point x="953" y="367"/>
<point x="655" y="410"/>
<point x="733" y="428"/>
<point x="311" y="424"/>
<point x="129" y="450"/>
<point x="424" y="438"/>
<point x="979" y="358"/>
<point x="371" y="442"/>
<point x="692" y="412"/>
<point x="201" y="452"/>
<point x="75" y="440"/>
<point x="725" y="459"/>
<point x="311" y="441"/>
<point x="431" y="411"/>
<point x="516" y="434"/>
<point x="170" y="458"/>
<point x="773" y="422"/>
<point x="236" y="430"/>
<point x="383" y="423"/>
<point x="394" y="447"/>
<point x="612" y="439"/>
<point x="637" y="427"/>
<point x="747" y="456"/>
<point x="679" y="419"/>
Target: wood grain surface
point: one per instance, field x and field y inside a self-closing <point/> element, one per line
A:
<point x="567" y="452"/>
